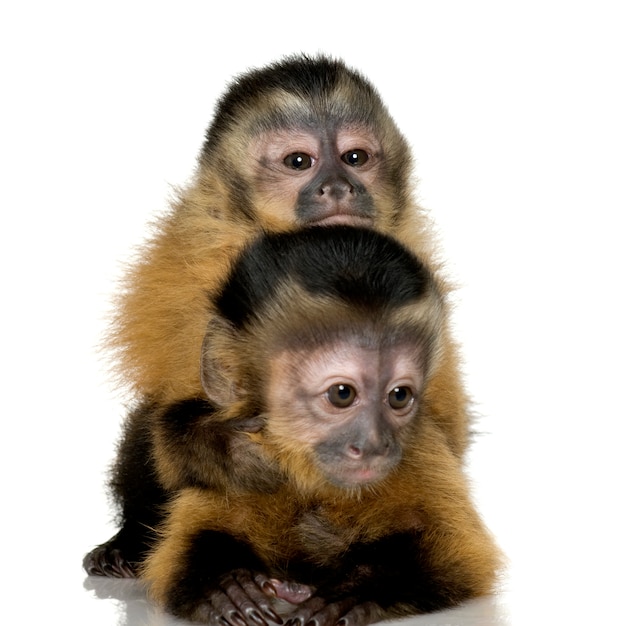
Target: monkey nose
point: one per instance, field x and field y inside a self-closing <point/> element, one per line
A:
<point x="336" y="189"/>
<point x="369" y="449"/>
<point x="354" y="452"/>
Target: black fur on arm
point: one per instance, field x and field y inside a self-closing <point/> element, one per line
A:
<point x="390" y="577"/>
<point x="221" y="581"/>
<point x="200" y="450"/>
<point x="208" y="453"/>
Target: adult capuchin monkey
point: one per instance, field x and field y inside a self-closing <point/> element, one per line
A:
<point x="305" y="141"/>
<point x="333" y="336"/>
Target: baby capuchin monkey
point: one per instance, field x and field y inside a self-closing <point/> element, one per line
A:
<point x="302" y="142"/>
<point x="322" y="347"/>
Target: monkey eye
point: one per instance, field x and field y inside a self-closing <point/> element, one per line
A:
<point x="400" y="398"/>
<point x="341" y="396"/>
<point x="298" y="161"/>
<point x="355" y="158"/>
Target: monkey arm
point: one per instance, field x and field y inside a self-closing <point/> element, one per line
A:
<point x="401" y="574"/>
<point x="211" y="577"/>
<point x="164" y="449"/>
<point x="220" y="577"/>
<point x="193" y="448"/>
<point x="200" y="571"/>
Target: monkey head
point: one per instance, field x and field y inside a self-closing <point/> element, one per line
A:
<point x="308" y="141"/>
<point x="330" y="334"/>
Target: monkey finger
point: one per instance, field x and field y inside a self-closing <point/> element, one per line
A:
<point x="121" y="565"/>
<point x="265" y="584"/>
<point x="222" y="611"/>
<point x="245" y="590"/>
<point x="207" y="613"/>
<point x="120" y="568"/>
<point x="106" y="561"/>
<point x="330" y="614"/>
<point x="292" y="592"/>
<point x="306" y="610"/>
<point x="361" y="615"/>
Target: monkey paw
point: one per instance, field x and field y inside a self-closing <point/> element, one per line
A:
<point x="344" y="612"/>
<point x="108" y="560"/>
<point x="243" y="598"/>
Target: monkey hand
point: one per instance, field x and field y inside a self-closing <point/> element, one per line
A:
<point x="108" y="560"/>
<point x="242" y="598"/>
<point x="247" y="467"/>
<point x="348" y="611"/>
<point x="119" y="557"/>
<point x="252" y="424"/>
<point x="290" y="591"/>
<point x="314" y="610"/>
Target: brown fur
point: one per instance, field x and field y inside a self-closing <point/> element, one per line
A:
<point x="427" y="492"/>
<point x="307" y="517"/>
<point x="162" y="311"/>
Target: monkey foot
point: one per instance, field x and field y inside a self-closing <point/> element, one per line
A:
<point x="108" y="560"/>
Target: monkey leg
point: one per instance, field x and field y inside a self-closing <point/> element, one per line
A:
<point x="210" y="577"/>
<point x="221" y="457"/>
<point x="201" y="571"/>
<point x="119" y="557"/>
<point x="140" y="497"/>
<point x="402" y="574"/>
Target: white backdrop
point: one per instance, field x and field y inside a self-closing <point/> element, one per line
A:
<point x="516" y="114"/>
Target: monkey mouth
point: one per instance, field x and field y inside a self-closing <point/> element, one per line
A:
<point x="365" y="475"/>
<point x="357" y="475"/>
<point x="347" y="219"/>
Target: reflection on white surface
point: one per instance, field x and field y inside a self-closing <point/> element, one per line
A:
<point x="129" y="598"/>
<point x="133" y="609"/>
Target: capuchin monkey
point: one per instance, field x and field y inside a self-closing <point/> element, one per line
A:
<point x="305" y="141"/>
<point x="333" y="337"/>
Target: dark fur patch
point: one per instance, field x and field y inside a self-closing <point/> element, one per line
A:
<point x="180" y="418"/>
<point x="134" y="480"/>
<point x="140" y="499"/>
<point x="355" y="265"/>
<point x="206" y="453"/>
<point x="210" y="556"/>
<point x="193" y="444"/>
<point x="394" y="572"/>
<point x="311" y="78"/>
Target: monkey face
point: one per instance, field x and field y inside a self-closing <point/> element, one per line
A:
<point x="317" y="175"/>
<point x="303" y="143"/>
<point x="329" y="334"/>
<point x="347" y="406"/>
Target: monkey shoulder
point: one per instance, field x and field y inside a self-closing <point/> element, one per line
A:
<point x="193" y="447"/>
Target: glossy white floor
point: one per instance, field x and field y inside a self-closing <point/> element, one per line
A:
<point x="129" y="606"/>
<point x="515" y="112"/>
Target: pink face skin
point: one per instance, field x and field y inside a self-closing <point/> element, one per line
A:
<point x="348" y="404"/>
<point x="332" y="172"/>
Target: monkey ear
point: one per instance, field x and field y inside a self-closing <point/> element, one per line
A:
<point x="218" y="380"/>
